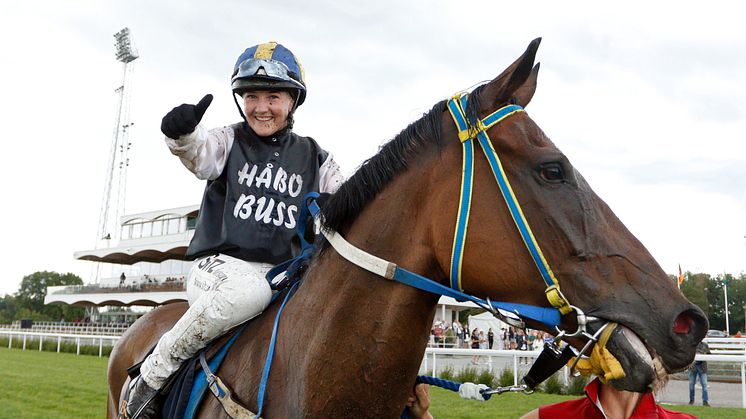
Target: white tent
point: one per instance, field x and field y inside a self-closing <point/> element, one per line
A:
<point x="484" y="322"/>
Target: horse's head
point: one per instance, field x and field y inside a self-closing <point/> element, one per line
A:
<point x="599" y="265"/>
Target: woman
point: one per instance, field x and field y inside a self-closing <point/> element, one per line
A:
<point x="257" y="173"/>
<point x="475" y="345"/>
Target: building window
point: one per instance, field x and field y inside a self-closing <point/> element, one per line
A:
<point x="147" y="229"/>
<point x="157" y="228"/>
<point x="136" y="230"/>
<point x="126" y="231"/>
<point x="173" y="226"/>
<point x="191" y="222"/>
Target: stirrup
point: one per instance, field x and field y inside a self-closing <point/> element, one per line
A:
<point x="147" y="408"/>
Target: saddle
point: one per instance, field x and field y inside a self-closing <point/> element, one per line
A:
<point x="185" y="389"/>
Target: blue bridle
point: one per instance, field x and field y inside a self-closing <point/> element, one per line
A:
<point x="469" y="130"/>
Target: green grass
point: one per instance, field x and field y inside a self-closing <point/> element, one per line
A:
<point x="448" y="405"/>
<point x="37" y="384"/>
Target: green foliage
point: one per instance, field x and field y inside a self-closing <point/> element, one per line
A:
<point x="8" y="309"/>
<point x="28" y="302"/>
<point x="463" y="315"/>
<point x="552" y="385"/>
<point x="506" y="378"/>
<point x="487" y="378"/>
<point x="694" y="288"/>
<point x="468" y="374"/>
<point x="447" y="373"/>
<point x="707" y="293"/>
<point x="577" y="385"/>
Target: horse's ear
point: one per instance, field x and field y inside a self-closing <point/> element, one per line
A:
<point x="517" y="83"/>
<point x="524" y="93"/>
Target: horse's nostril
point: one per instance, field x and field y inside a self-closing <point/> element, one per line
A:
<point x="683" y="323"/>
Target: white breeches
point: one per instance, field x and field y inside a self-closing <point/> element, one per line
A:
<point x="223" y="292"/>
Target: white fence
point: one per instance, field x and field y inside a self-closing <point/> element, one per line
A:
<point x="722" y="346"/>
<point x="724" y="350"/>
<point x="436" y="358"/>
<point x="60" y="337"/>
<point x="70" y="328"/>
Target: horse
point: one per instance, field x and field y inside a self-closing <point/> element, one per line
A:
<point x="350" y="343"/>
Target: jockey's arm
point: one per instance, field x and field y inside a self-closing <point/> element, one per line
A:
<point x="203" y="152"/>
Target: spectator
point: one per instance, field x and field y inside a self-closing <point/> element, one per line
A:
<point x="482" y="340"/>
<point x="530" y="338"/>
<point x="699" y="368"/>
<point x="438" y="332"/>
<point x="459" y="331"/>
<point x="449" y="337"/>
<point x="604" y="401"/>
<point x="520" y="341"/>
<point x="475" y="345"/>
<point x="490" y="338"/>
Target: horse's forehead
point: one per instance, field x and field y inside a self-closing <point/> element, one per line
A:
<point x="523" y="134"/>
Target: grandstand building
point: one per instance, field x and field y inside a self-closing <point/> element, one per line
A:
<point x="144" y="267"/>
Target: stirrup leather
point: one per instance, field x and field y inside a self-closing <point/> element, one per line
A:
<point x="224" y="395"/>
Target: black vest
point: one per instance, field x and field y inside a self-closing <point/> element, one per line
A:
<point x="250" y="211"/>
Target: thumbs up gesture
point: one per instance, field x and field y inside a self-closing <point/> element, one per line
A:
<point x="184" y="118"/>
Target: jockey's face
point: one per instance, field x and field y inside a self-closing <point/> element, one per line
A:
<point x="267" y="111"/>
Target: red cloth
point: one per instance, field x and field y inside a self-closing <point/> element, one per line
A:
<point x="586" y="408"/>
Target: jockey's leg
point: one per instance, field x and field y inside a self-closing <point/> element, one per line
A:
<point x="223" y="292"/>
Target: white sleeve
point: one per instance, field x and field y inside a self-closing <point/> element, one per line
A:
<point x="331" y="176"/>
<point x="203" y="152"/>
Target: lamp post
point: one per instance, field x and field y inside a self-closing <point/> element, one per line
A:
<point x="725" y="291"/>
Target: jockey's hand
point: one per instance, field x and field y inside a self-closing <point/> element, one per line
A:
<point x="419" y="402"/>
<point x="183" y="119"/>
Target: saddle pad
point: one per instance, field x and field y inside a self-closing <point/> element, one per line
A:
<point x="190" y="382"/>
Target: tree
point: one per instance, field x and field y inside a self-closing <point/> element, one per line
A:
<point x="695" y="289"/>
<point x="8" y="309"/>
<point x="34" y="288"/>
<point x="736" y="301"/>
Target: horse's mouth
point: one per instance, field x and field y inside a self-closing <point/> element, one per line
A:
<point x="643" y="368"/>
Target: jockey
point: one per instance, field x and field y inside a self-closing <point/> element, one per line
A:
<point x="257" y="173"/>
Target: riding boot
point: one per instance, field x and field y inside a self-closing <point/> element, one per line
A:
<point x="142" y="398"/>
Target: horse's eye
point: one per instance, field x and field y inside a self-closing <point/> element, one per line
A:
<point x="552" y="172"/>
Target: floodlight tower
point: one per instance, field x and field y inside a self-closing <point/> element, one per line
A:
<point x="115" y="188"/>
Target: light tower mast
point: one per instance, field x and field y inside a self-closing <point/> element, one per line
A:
<point x="115" y="188"/>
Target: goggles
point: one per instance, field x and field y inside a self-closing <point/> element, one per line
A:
<point x="261" y="68"/>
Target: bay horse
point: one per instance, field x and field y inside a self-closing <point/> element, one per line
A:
<point x="350" y="343"/>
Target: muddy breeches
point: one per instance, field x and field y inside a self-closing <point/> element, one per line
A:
<point x="223" y="292"/>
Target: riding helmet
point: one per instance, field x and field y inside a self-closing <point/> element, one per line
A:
<point x="269" y="66"/>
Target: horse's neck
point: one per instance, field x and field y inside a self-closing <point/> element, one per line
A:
<point x="376" y="328"/>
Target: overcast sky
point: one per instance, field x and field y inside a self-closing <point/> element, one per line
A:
<point x="647" y="100"/>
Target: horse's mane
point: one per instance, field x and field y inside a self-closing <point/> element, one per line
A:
<point x="375" y="173"/>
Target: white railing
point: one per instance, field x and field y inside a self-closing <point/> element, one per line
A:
<point x="734" y="346"/>
<point x="430" y="362"/>
<point x="60" y="337"/>
<point x="430" y="358"/>
<point x="70" y="328"/>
